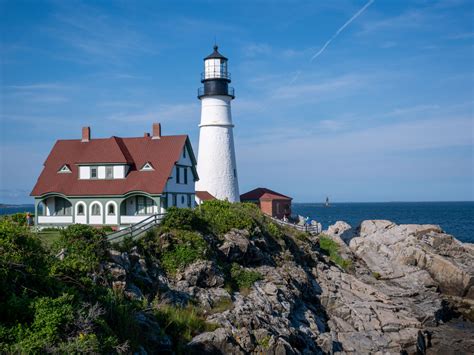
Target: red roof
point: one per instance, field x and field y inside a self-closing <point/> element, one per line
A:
<point x="162" y="153"/>
<point x="262" y="193"/>
<point x="204" y="196"/>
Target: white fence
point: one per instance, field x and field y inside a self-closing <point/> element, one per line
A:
<point x="313" y="229"/>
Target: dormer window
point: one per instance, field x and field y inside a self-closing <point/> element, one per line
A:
<point x="147" y="167"/>
<point x="64" y="169"/>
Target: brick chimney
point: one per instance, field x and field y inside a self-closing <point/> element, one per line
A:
<point x="156" y="131"/>
<point x="86" y="134"/>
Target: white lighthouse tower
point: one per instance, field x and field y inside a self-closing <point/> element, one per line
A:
<point x="216" y="167"/>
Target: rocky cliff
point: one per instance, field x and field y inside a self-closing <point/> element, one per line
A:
<point x="380" y="288"/>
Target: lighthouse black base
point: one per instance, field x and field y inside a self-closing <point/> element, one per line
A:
<point x="216" y="87"/>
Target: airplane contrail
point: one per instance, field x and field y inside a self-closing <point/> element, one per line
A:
<point x="357" y="14"/>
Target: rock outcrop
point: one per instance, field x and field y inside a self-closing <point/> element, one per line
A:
<point x="409" y="290"/>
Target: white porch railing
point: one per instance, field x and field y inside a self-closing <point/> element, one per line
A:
<point x="132" y="219"/>
<point x="54" y="219"/>
<point x="136" y="229"/>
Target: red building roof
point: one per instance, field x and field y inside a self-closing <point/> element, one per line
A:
<point x="262" y="193"/>
<point x="204" y="196"/>
<point x="162" y="153"/>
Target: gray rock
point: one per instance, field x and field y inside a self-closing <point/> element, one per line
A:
<point x="203" y="274"/>
<point x="220" y="341"/>
<point x="236" y="245"/>
<point x="341" y="230"/>
<point x="133" y="292"/>
<point x="120" y="258"/>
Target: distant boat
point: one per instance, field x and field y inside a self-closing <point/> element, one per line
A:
<point x="327" y="202"/>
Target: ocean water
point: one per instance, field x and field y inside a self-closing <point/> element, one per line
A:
<point x="456" y="218"/>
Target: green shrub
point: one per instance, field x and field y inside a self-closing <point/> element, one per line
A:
<point x="51" y="315"/>
<point x="107" y="229"/>
<point x="331" y="248"/>
<point x="274" y="230"/>
<point x="222" y="216"/>
<point x="185" y="248"/>
<point x="182" y="218"/>
<point x="85" y="248"/>
<point x="17" y="218"/>
<point x="242" y="278"/>
<point x="182" y="324"/>
<point x="23" y="270"/>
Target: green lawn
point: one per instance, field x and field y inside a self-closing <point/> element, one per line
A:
<point x="49" y="237"/>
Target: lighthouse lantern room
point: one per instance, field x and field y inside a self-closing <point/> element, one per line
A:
<point x="217" y="168"/>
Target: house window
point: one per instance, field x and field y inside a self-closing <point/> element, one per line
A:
<point x="144" y="205"/>
<point x="111" y="210"/>
<point x="140" y="205"/>
<point x="109" y="172"/>
<point x="93" y="172"/>
<point x="175" y="202"/>
<point x="184" y="153"/>
<point x="95" y="209"/>
<point x="80" y="210"/>
<point x="182" y="199"/>
<point x="189" y="201"/>
<point x="181" y="175"/>
<point x="62" y="207"/>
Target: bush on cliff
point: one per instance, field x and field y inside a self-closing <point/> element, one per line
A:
<point x="242" y="278"/>
<point x="183" y="218"/>
<point x="84" y="247"/>
<point x="174" y="248"/>
<point x="222" y="216"/>
<point x="49" y="305"/>
<point x="185" y="249"/>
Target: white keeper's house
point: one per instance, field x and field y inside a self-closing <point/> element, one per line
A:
<point x="114" y="181"/>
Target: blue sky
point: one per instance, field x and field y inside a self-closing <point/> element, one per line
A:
<point x="383" y="113"/>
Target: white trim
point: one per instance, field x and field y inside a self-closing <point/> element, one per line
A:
<point x="64" y="170"/>
<point x="147" y="167"/>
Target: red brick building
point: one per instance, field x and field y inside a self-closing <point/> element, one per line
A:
<point x="270" y="202"/>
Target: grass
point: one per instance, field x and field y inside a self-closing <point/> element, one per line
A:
<point x="222" y="305"/>
<point x="242" y="278"/>
<point x="49" y="237"/>
<point x="331" y="248"/>
<point x="182" y="324"/>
